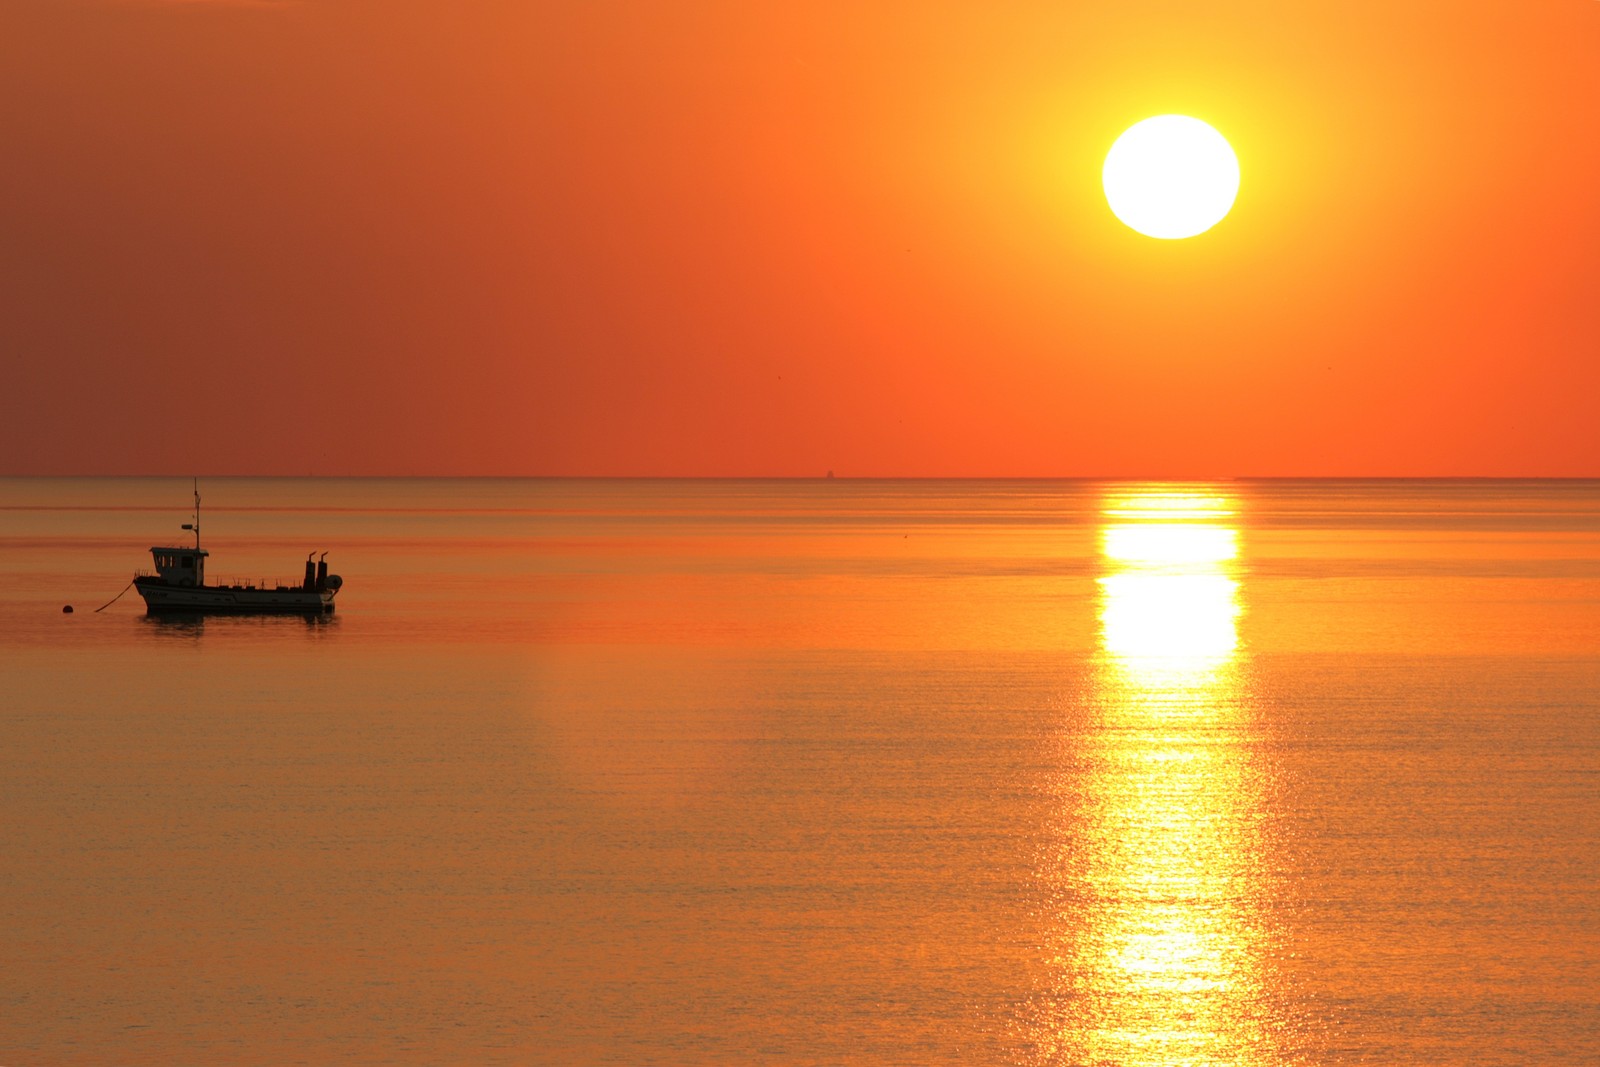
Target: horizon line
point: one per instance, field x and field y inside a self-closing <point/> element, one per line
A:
<point x="831" y="476"/>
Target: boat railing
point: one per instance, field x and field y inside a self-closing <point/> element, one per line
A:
<point x="260" y="583"/>
<point x="272" y="586"/>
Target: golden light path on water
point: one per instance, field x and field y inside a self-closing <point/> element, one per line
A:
<point x="1163" y="957"/>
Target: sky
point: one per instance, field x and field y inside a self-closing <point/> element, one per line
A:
<point x="724" y="238"/>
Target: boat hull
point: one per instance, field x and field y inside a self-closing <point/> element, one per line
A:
<point x="161" y="597"/>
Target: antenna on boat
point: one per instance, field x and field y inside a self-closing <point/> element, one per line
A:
<point x="195" y="525"/>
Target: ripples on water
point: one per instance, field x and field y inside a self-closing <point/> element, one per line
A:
<point x="808" y="772"/>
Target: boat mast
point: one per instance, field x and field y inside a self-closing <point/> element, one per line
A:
<point x="195" y="525"/>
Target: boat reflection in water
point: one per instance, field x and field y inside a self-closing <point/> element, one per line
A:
<point x="1161" y="948"/>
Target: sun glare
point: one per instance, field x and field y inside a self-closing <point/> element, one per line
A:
<point x="1170" y="593"/>
<point x="1171" y="177"/>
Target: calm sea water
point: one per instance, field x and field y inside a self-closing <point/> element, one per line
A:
<point x="807" y="772"/>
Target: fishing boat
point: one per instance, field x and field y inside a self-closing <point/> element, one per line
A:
<point x="179" y="583"/>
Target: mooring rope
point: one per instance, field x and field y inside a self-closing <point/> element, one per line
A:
<point x="114" y="599"/>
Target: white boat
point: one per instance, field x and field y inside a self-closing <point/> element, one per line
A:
<point x="179" y="583"/>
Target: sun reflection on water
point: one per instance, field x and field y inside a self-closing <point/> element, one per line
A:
<point x="1169" y="598"/>
<point x="1160" y="961"/>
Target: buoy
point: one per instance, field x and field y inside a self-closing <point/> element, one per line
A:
<point x="67" y="610"/>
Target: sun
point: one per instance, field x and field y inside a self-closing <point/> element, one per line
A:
<point x="1171" y="177"/>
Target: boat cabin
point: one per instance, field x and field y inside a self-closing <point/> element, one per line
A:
<point x="181" y="566"/>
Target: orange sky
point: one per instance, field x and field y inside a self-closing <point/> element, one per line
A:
<point x="733" y="238"/>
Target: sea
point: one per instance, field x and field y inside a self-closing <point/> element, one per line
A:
<point x="828" y="771"/>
